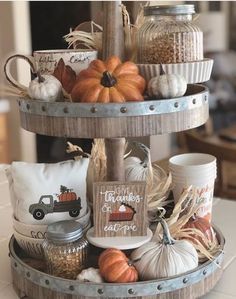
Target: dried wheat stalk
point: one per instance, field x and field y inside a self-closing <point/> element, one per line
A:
<point x="184" y="209"/>
<point x="90" y="40"/>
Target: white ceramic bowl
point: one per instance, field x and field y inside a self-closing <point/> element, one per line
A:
<point x="193" y="72"/>
<point x="32" y="246"/>
<point x="38" y="231"/>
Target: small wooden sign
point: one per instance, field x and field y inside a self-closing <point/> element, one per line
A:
<point x="119" y="209"/>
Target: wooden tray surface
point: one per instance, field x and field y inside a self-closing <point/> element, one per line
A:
<point x="131" y="119"/>
<point x="190" y="285"/>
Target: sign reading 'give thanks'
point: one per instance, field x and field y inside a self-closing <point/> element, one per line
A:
<point x="119" y="209"/>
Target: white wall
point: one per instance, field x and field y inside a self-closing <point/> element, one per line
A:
<point x="15" y="38"/>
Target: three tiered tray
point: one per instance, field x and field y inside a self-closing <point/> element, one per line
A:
<point x="114" y="122"/>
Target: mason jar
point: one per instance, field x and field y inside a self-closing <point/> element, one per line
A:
<point x="65" y="249"/>
<point x="169" y="35"/>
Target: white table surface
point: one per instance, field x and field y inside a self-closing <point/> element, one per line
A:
<point x="224" y="216"/>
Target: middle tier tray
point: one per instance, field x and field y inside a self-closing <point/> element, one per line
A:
<point x="130" y="119"/>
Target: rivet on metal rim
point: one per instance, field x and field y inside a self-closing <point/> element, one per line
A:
<point x="47" y="281"/>
<point x="152" y="107"/>
<point x="93" y="109"/>
<point x="159" y="287"/>
<point x="65" y="110"/>
<point x="131" y="291"/>
<point x="28" y="274"/>
<point x="204" y="272"/>
<point x="123" y="109"/>
<point x="205" y="98"/>
<point x="176" y="104"/>
<point x="15" y="264"/>
<point x="217" y="262"/>
<point x="72" y="288"/>
<point x="194" y="101"/>
<point x="43" y="108"/>
<point x="185" y="280"/>
<point x="100" y="291"/>
<point x="28" y="106"/>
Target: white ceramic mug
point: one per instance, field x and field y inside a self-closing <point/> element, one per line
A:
<point x="45" y="62"/>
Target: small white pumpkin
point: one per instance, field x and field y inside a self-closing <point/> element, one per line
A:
<point x="135" y="169"/>
<point x="167" y="86"/>
<point x="90" y="274"/>
<point x="166" y="258"/>
<point x="45" y="88"/>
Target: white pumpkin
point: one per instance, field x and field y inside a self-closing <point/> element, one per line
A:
<point x="167" y="86"/>
<point x="162" y="259"/>
<point x="90" y="274"/>
<point x="135" y="169"/>
<point x="45" y="88"/>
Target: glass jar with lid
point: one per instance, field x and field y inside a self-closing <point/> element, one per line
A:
<point x="169" y="35"/>
<point x="65" y="249"/>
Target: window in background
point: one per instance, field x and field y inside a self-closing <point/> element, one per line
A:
<point x="214" y="6"/>
<point x="50" y="21"/>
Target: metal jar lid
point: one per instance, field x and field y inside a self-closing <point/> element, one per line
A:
<point x="64" y="231"/>
<point x="169" y="10"/>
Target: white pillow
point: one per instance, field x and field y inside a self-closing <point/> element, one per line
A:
<point x="36" y="191"/>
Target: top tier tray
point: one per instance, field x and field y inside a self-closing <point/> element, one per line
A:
<point x="131" y="119"/>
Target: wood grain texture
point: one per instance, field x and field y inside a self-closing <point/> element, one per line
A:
<point x="38" y="285"/>
<point x="113" y="33"/>
<point x="23" y="286"/>
<point x="115" y="149"/>
<point x="107" y="199"/>
<point x="132" y="126"/>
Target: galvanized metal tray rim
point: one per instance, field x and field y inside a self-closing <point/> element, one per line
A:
<point x="142" y="288"/>
<point x="94" y="110"/>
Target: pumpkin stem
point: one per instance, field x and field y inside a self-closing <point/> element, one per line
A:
<point x="146" y="152"/>
<point x="162" y="72"/>
<point x="130" y="263"/>
<point x="41" y="79"/>
<point x="167" y="239"/>
<point x="108" y="80"/>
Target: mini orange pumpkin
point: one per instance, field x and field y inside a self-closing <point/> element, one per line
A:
<point x="114" y="266"/>
<point x="109" y="81"/>
<point x="203" y="225"/>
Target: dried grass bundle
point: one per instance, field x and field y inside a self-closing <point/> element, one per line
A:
<point x="90" y="39"/>
<point x="184" y="209"/>
<point x="99" y="160"/>
<point x="89" y="34"/>
<point x="130" y="31"/>
<point x="97" y="169"/>
<point x="158" y="188"/>
<point x="11" y="91"/>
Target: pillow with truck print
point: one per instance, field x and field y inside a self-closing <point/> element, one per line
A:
<point x="44" y="193"/>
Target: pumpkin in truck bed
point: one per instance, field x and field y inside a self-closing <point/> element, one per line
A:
<point x="66" y="194"/>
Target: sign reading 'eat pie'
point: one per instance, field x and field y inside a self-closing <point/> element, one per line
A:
<point x="119" y="209"/>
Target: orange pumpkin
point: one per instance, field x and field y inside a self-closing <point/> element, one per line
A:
<point x="67" y="196"/>
<point x="114" y="266"/>
<point x="109" y="81"/>
<point x="203" y="225"/>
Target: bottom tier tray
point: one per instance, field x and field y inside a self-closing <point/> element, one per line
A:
<point x="34" y="284"/>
